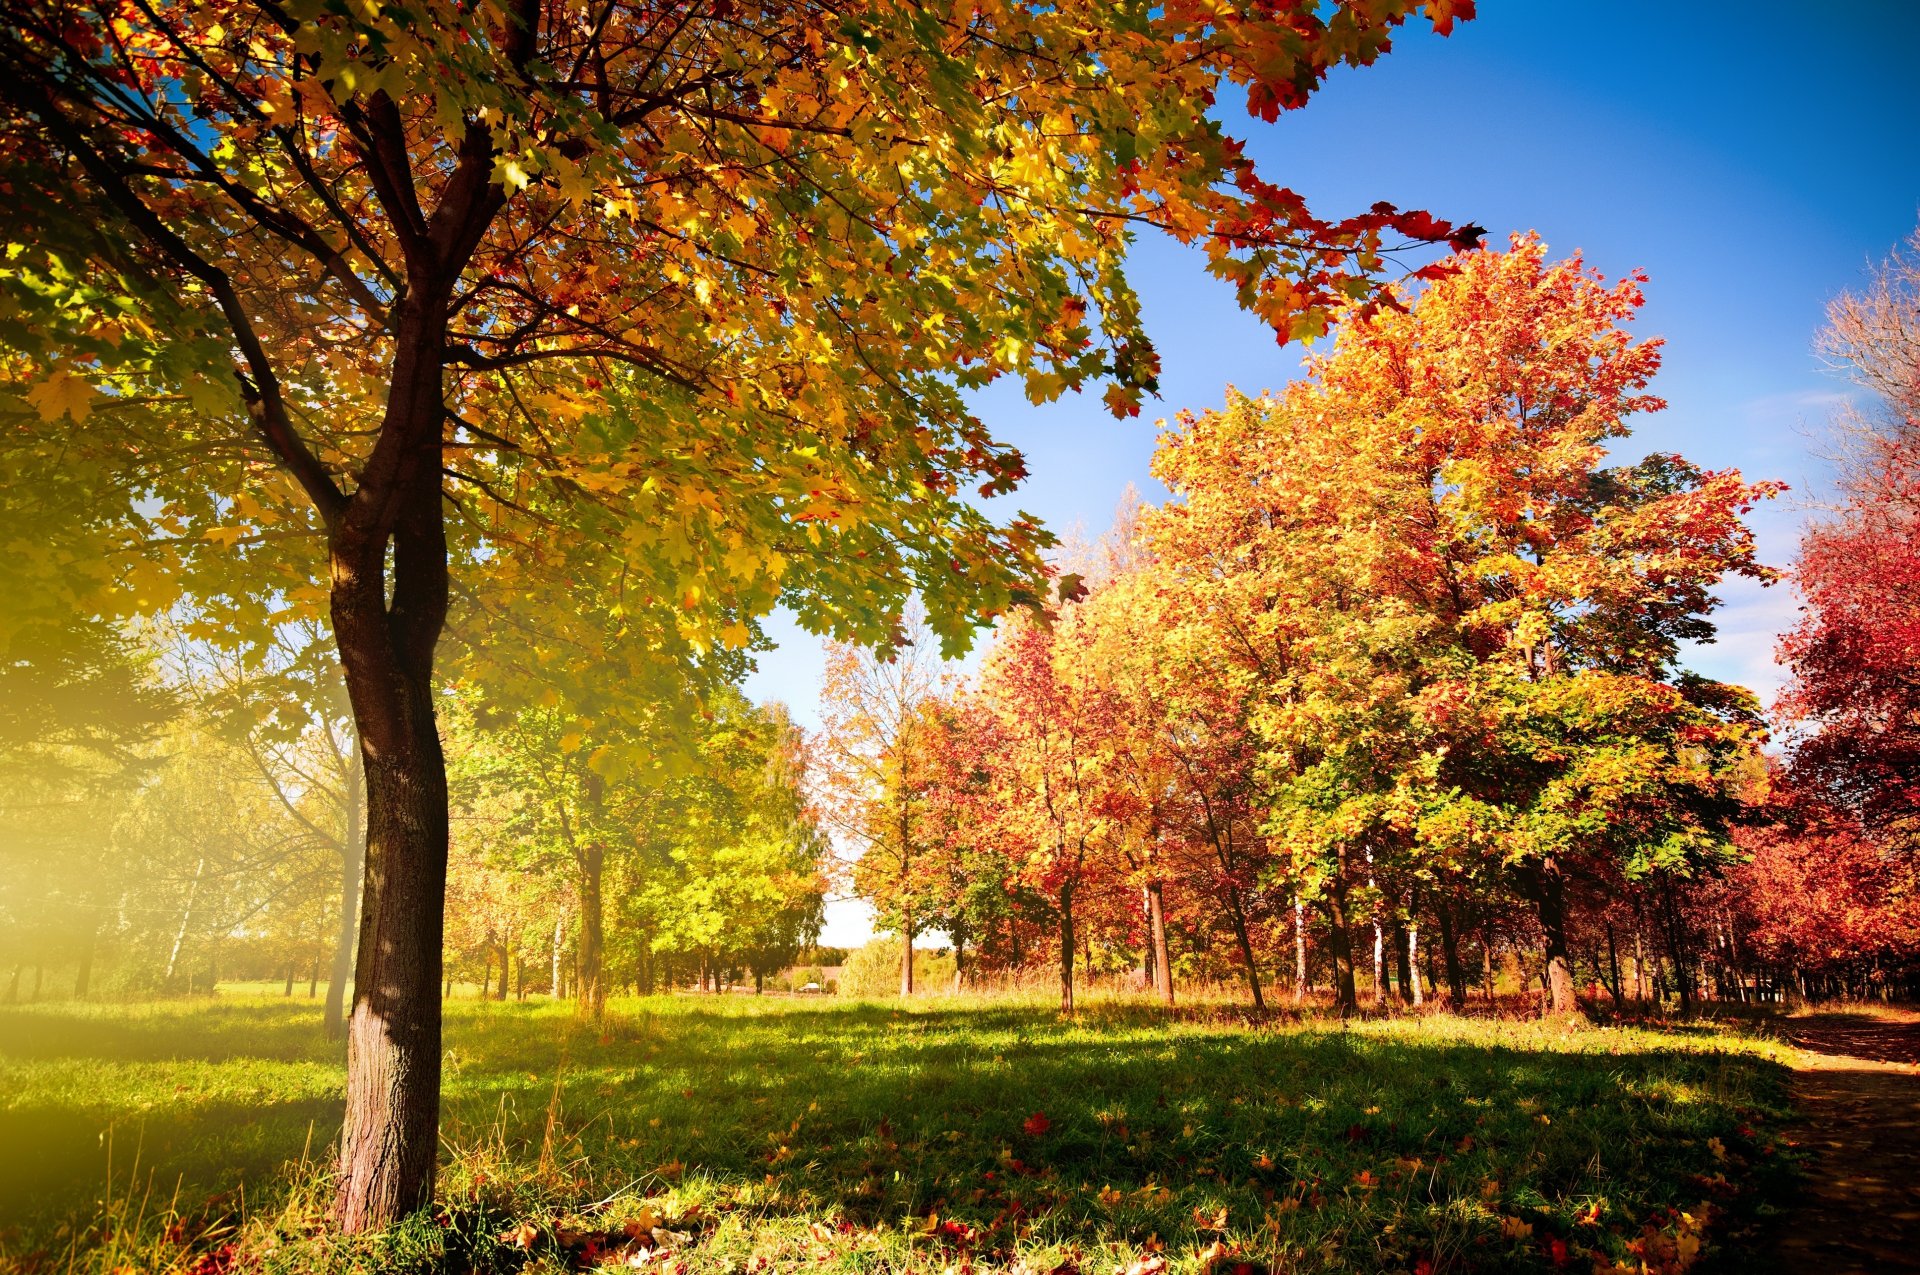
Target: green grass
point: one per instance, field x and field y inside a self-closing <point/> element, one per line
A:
<point x="783" y="1134"/>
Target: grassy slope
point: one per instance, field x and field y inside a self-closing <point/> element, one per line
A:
<point x="790" y="1133"/>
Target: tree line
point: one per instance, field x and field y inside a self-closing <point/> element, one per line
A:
<point x="1397" y="678"/>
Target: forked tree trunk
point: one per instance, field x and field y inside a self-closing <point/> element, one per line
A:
<point x="352" y="855"/>
<point x="1157" y="941"/>
<point x="1549" y="891"/>
<point x="387" y="620"/>
<point x="1066" y="949"/>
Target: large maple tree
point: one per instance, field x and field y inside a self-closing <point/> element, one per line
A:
<point x="714" y="277"/>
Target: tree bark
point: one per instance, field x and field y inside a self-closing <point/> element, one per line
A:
<point x="593" y="984"/>
<point x="1066" y="949"/>
<point x="906" y="952"/>
<point x="1411" y="969"/>
<point x="1157" y="941"/>
<point x="1299" y="950"/>
<point x="386" y="622"/>
<point x="186" y="918"/>
<point x="1404" y="975"/>
<point x="1550" y="903"/>
<point x="1244" y="940"/>
<point x="352" y="855"/>
<point x="1340" y="949"/>
<point x="559" y="944"/>
<point x="1450" y="959"/>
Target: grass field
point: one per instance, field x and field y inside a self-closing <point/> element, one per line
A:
<point x="741" y="1135"/>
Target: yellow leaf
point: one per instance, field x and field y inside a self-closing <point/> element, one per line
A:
<point x="62" y="394"/>
<point x="571" y="741"/>
<point x="736" y="635"/>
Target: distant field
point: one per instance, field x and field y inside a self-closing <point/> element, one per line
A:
<point x="786" y="1134"/>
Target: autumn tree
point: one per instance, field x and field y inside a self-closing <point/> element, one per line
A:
<point x="1855" y="695"/>
<point x="871" y="775"/>
<point x="1464" y="628"/>
<point x="719" y="275"/>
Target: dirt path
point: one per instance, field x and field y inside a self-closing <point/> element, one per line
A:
<point x="1858" y="1085"/>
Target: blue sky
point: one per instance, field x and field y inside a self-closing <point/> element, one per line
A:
<point x="1754" y="160"/>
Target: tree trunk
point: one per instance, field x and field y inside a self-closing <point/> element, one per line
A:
<point x="1411" y="970"/>
<point x="84" y="978"/>
<point x="1238" y="916"/>
<point x="1486" y="960"/>
<point x="1157" y="941"/>
<point x="186" y="918"/>
<point x="1299" y="950"/>
<point x="387" y="620"/>
<point x="288" y="991"/>
<point x="1066" y="949"/>
<point x="1403" y="964"/>
<point x="1379" y="966"/>
<point x="1613" y="959"/>
<point x="352" y="855"/>
<point x="313" y="975"/>
<point x="593" y="984"/>
<point x="906" y="953"/>
<point x="1450" y="960"/>
<point x="559" y="945"/>
<point x="1340" y="949"/>
<point x="505" y="949"/>
<point x="1550" y="902"/>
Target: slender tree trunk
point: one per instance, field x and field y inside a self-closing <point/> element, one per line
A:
<point x="352" y="856"/>
<point x="84" y="978"/>
<point x="1613" y="960"/>
<point x="186" y="918"/>
<point x="593" y="984"/>
<point x="313" y="975"/>
<point x="1450" y="960"/>
<point x="287" y="992"/>
<point x="1403" y="964"/>
<point x="1413" y="960"/>
<point x="906" y="952"/>
<point x="39" y="972"/>
<point x="1066" y="949"/>
<point x="1639" y="966"/>
<point x="1486" y="960"/>
<point x="1237" y="915"/>
<point x="559" y="946"/>
<point x="1299" y="950"/>
<point x="1157" y="941"/>
<point x="1379" y="966"/>
<point x="13" y="984"/>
